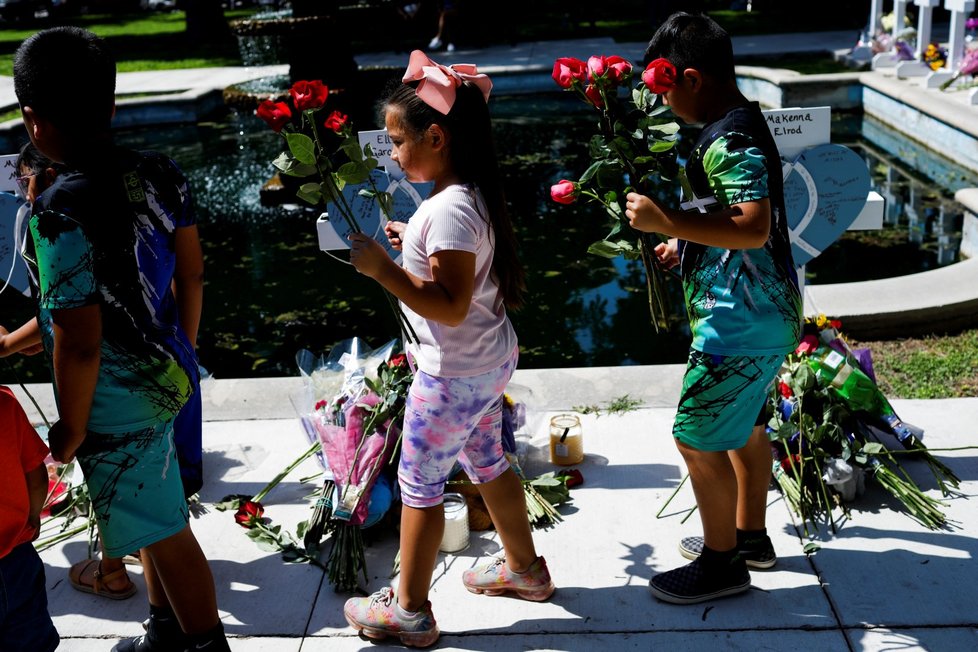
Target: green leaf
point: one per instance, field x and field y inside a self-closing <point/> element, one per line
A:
<point x="303" y="147"/>
<point x="661" y="145"/>
<point x="353" y="173"/>
<point x="872" y="448"/>
<point x="604" y="249"/>
<point x="811" y="547"/>
<point x="667" y="128"/>
<point x="310" y="192"/>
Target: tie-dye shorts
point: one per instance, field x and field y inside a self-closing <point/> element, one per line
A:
<point x="134" y="482"/>
<point x="722" y="397"/>
<point x="449" y="419"/>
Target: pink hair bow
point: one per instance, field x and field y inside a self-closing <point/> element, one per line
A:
<point x="439" y="83"/>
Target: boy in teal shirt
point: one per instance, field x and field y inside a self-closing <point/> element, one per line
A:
<point x="743" y="302"/>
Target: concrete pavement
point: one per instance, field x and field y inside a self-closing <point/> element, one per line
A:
<point x="882" y="581"/>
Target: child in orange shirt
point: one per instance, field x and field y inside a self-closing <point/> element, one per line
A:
<point x="24" y="620"/>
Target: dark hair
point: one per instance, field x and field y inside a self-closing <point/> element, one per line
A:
<point x="32" y="160"/>
<point x="473" y="158"/>
<point x="693" y="41"/>
<point x="67" y="76"/>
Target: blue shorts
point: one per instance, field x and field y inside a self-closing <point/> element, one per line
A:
<point x="25" y="624"/>
<point x="722" y="397"/>
<point x="134" y="482"/>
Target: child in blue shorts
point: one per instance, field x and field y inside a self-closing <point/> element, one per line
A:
<point x="25" y="625"/>
<point x="103" y="246"/>
<point x="742" y="298"/>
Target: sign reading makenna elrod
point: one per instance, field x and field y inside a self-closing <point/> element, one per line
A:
<point x="826" y="186"/>
<point x="795" y="130"/>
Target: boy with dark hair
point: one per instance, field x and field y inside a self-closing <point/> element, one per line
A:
<point x="742" y="298"/>
<point x="105" y="241"/>
<point x="25" y="624"/>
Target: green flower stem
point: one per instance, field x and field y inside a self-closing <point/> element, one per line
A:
<point x="309" y="452"/>
<point x="327" y="177"/>
<point x="44" y="544"/>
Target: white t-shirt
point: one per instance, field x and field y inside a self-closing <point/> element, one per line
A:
<point x="452" y="220"/>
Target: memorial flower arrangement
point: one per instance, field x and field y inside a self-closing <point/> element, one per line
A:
<point x="832" y="430"/>
<point x="634" y="146"/>
<point x="934" y="56"/>
<point x="351" y="408"/>
<point x="327" y="156"/>
<point x="968" y="68"/>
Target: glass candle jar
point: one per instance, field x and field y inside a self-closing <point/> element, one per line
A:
<point x="456" y="536"/>
<point x="566" y="440"/>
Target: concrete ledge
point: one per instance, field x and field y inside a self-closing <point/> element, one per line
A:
<point x="939" y="300"/>
<point x="778" y="88"/>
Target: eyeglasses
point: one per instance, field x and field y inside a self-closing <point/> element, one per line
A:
<point x="24" y="182"/>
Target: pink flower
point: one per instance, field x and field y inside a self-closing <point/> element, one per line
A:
<point x="276" y="114"/>
<point x="808" y="345"/>
<point x="568" y="70"/>
<point x="308" y="94"/>
<point x="618" y="69"/>
<point x="660" y="76"/>
<point x="564" y="192"/>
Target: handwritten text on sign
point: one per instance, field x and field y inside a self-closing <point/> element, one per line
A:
<point x="795" y="130"/>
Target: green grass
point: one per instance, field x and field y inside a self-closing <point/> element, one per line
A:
<point x="140" y="41"/>
<point x="927" y="367"/>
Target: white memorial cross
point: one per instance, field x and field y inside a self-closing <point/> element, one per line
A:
<point x="890" y="58"/>
<point x="924" y="24"/>
<point x="956" y="44"/>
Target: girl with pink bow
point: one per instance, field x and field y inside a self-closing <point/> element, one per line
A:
<point x="460" y="273"/>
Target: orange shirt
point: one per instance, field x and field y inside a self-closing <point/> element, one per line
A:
<point x="21" y="450"/>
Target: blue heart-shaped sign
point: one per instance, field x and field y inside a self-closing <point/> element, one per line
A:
<point x="825" y="189"/>
<point x="406" y="197"/>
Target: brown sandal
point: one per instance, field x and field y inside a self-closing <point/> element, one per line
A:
<point x="99" y="584"/>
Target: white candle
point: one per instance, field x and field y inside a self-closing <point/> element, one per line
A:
<point x="456" y="536"/>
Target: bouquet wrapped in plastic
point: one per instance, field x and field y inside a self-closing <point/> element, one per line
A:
<point x="830" y="428"/>
<point x="354" y="402"/>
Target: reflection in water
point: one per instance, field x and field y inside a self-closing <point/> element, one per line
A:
<point x="270" y="292"/>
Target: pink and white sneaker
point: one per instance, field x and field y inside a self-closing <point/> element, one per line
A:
<point x="377" y="617"/>
<point x="495" y="578"/>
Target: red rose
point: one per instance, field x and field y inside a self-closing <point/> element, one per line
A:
<point x="398" y="360"/>
<point x="320" y="404"/>
<point x="660" y="76"/>
<point x="574" y="478"/>
<point x="567" y="70"/>
<point x="836" y="324"/>
<point x="336" y="121"/>
<point x="594" y="94"/>
<point x="276" y="114"/>
<point x="249" y="514"/>
<point x="308" y="95"/>
<point x="618" y="68"/>
<point x="785" y="390"/>
<point x="564" y="192"/>
<point x="596" y="67"/>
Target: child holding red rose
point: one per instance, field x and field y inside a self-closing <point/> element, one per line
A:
<point x="742" y="298"/>
<point x="106" y="242"/>
<point x="460" y="274"/>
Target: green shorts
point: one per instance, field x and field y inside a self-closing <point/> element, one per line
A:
<point x="722" y="398"/>
<point x="134" y="482"/>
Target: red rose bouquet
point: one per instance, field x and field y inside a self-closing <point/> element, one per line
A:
<point x="634" y="147"/>
<point x="327" y="154"/>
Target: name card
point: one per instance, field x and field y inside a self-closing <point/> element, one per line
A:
<point x="381" y="147"/>
<point x="795" y="130"/>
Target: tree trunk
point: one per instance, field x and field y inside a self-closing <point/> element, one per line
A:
<point x="206" y="22"/>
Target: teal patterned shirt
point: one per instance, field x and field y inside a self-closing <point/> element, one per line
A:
<point x="740" y="301"/>
<point x="105" y="235"/>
